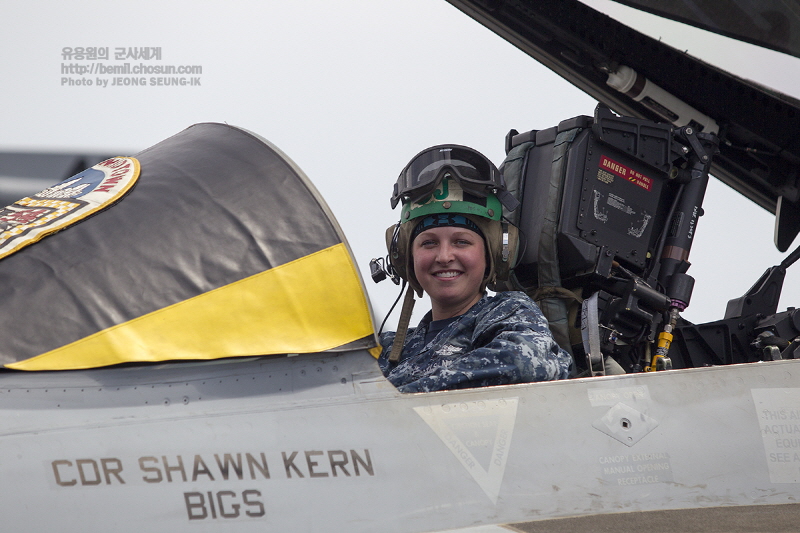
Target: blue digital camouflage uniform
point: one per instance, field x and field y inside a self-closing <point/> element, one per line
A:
<point x="502" y="339"/>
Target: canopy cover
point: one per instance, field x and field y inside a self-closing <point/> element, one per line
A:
<point x="210" y="244"/>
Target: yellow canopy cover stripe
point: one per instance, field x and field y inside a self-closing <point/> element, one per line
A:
<point x="312" y="304"/>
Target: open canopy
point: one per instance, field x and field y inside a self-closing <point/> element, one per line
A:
<point x="215" y="245"/>
<point x="759" y="146"/>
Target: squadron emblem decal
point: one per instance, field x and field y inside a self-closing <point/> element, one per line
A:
<point x="30" y="219"/>
<point x="479" y="435"/>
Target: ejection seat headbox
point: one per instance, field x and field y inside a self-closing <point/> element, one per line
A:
<point x="593" y="191"/>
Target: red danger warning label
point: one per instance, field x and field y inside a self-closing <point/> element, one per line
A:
<point x="628" y="173"/>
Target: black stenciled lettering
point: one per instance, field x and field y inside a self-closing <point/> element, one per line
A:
<point x="358" y="460"/>
<point x="169" y="469"/>
<point x="150" y="470"/>
<point x="289" y="463"/>
<point x="112" y="466"/>
<point x="200" y="468"/>
<point x="211" y="505"/>
<point x="227" y="463"/>
<point x="340" y="463"/>
<point x="312" y="464"/>
<point x="95" y="471"/>
<point x="60" y="481"/>
<point x="195" y="505"/>
<point x="253" y="464"/>
<point x="222" y="508"/>
<point x="223" y="504"/>
<point x="88" y="471"/>
<point x="246" y="495"/>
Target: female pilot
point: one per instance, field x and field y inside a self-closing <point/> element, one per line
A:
<point x="450" y="243"/>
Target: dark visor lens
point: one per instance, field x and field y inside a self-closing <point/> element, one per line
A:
<point x="422" y="173"/>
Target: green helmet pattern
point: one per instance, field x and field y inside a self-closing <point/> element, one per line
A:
<point x="450" y="197"/>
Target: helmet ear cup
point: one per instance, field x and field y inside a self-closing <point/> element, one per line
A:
<point x="506" y="259"/>
<point x="398" y="244"/>
<point x="502" y="256"/>
<point x="392" y="234"/>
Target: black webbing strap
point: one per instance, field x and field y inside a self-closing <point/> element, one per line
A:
<point x="555" y="308"/>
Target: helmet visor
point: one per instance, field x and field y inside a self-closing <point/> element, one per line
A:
<point x="473" y="171"/>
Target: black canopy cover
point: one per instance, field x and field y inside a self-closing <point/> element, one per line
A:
<point x="221" y="248"/>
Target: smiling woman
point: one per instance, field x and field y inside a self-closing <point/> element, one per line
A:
<point x="449" y="263"/>
<point x="452" y="242"/>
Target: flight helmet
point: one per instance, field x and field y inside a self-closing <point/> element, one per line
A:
<point x="452" y="185"/>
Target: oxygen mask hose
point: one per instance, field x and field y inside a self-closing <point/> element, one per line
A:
<point x="660" y="360"/>
<point x="679" y="293"/>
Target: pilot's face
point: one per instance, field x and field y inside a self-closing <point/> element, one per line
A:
<point x="449" y="263"/>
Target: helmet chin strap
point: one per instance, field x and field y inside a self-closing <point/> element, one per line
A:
<point x="402" y="326"/>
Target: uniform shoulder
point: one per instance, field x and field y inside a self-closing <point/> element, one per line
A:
<point x="507" y="303"/>
<point x="511" y="298"/>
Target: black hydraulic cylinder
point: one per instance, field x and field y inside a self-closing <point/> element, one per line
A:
<point x="675" y="255"/>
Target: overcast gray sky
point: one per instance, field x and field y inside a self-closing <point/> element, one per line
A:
<point x="350" y="90"/>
